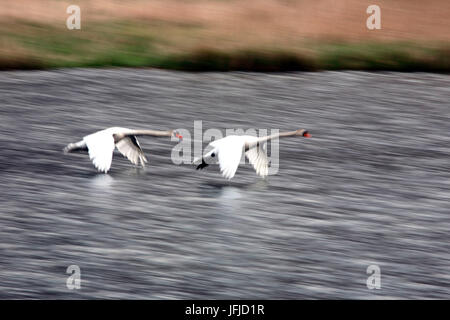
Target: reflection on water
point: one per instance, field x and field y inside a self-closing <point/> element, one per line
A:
<point x="101" y="182"/>
<point x="229" y="193"/>
<point x="228" y="200"/>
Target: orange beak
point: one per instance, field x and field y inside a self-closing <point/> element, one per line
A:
<point x="179" y="136"/>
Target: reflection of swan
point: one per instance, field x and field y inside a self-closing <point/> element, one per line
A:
<point x="101" y="144"/>
<point x="230" y="193"/>
<point x="101" y="193"/>
<point x="229" y="152"/>
<point x="102" y="182"/>
<point x="230" y="200"/>
<point x="223" y="189"/>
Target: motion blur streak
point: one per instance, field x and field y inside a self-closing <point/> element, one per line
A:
<point x="372" y="186"/>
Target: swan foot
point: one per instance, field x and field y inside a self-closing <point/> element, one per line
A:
<point x="202" y="165"/>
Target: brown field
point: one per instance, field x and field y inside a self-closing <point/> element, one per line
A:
<point x="177" y="26"/>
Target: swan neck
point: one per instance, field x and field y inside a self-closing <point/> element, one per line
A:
<point x="156" y="133"/>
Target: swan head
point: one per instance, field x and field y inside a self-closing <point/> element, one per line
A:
<point x="176" y="134"/>
<point x="303" y="133"/>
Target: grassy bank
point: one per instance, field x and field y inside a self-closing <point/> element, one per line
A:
<point x="188" y="46"/>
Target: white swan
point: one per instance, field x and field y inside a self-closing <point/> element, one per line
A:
<point x="101" y="144"/>
<point x="229" y="151"/>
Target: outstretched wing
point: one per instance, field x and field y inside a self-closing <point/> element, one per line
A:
<point x="130" y="148"/>
<point x="229" y="155"/>
<point x="100" y="146"/>
<point x="258" y="158"/>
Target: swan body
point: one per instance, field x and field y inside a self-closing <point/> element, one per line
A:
<point x="101" y="144"/>
<point x="229" y="152"/>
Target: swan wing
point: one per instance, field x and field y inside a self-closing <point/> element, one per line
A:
<point x="129" y="147"/>
<point x="229" y="155"/>
<point x="100" y="146"/>
<point x="258" y="158"/>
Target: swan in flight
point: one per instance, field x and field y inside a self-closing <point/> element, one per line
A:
<point x="229" y="151"/>
<point x="101" y="144"/>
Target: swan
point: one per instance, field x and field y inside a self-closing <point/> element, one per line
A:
<point x="100" y="145"/>
<point x="229" y="151"/>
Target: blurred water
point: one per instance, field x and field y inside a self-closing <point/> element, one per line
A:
<point x="371" y="187"/>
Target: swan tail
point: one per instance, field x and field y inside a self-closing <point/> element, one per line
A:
<point x="75" y="147"/>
